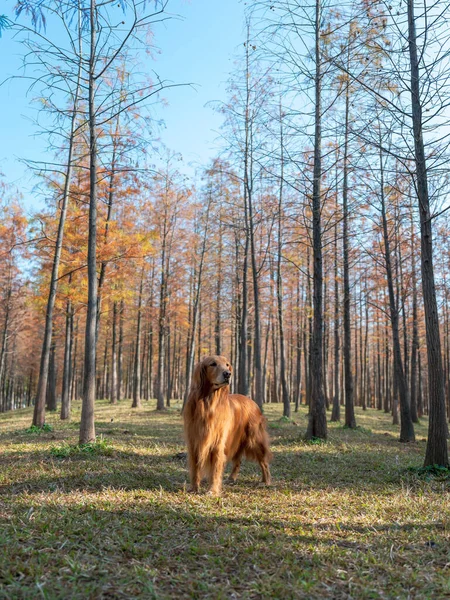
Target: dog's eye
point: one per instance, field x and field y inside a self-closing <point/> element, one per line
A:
<point x="213" y="364"/>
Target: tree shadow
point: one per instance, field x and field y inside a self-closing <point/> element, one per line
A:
<point x="321" y="469"/>
<point x="125" y="470"/>
<point x="191" y="551"/>
<point x="359" y="461"/>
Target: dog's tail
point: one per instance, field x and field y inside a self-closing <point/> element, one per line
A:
<point x="258" y="442"/>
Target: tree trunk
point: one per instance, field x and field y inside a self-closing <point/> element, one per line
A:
<point x="400" y="391"/>
<point x="350" y="420"/>
<point x="39" y="406"/>
<point x="242" y="386"/>
<point x="366" y="361"/>
<point x="217" y="321"/>
<point x="437" y="451"/>
<point x="5" y="346"/>
<point x="279" y="288"/>
<point x="67" y="370"/>
<point x="317" y="425"/>
<point x="113" y="393"/>
<point x="87" y="425"/>
<point x="415" y="329"/>
<point x="298" y="378"/>
<point x="103" y="265"/>
<point x="51" y="381"/>
<point x="137" y="357"/>
<point x="336" y="411"/>
<point x="198" y="280"/>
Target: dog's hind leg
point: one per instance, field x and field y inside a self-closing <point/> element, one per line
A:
<point x="237" y="459"/>
<point x="235" y="471"/>
<point x="263" y="459"/>
<point x="265" y="471"/>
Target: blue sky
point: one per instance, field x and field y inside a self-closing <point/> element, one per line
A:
<point x="198" y="48"/>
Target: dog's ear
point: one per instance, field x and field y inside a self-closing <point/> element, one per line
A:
<point x="199" y="376"/>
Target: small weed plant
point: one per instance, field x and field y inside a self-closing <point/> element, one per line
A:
<point x="101" y="446"/>
<point x="431" y="471"/>
<point x="46" y="427"/>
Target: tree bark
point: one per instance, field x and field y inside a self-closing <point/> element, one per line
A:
<point x="298" y="354"/>
<point x="137" y="357"/>
<point x="437" y="451"/>
<point x="400" y="391"/>
<point x="39" y="406"/>
<point x="87" y="424"/>
<point x="336" y="411"/>
<point x="317" y="424"/>
<point x="350" y="420"/>
<point x="120" y="353"/>
<point x="198" y="280"/>
<point x="51" y="381"/>
<point x="243" y="379"/>
<point x="67" y="370"/>
<point x="113" y="394"/>
<point x="279" y="287"/>
<point x="415" y="329"/>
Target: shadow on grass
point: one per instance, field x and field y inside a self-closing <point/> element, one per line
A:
<point x="318" y="468"/>
<point x="195" y="551"/>
<point x="283" y="433"/>
<point x="143" y="458"/>
<point x="166" y="434"/>
<point x="122" y="470"/>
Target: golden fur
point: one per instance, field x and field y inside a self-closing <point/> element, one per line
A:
<point x="222" y="427"/>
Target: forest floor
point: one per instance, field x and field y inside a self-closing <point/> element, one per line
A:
<point x="349" y="518"/>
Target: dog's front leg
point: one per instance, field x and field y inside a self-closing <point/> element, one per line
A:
<point x="216" y="473"/>
<point x="194" y="470"/>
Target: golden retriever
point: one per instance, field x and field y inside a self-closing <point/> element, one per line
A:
<point x="220" y="427"/>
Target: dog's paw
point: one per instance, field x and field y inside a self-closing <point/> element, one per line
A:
<point x="213" y="493"/>
<point x="264" y="484"/>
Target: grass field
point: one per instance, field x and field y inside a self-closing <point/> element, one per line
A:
<point x="345" y="519"/>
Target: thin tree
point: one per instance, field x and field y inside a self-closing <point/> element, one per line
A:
<point x="350" y="420"/>
<point x="406" y="424"/>
<point x="39" y="405"/>
<point x="279" y="285"/>
<point x="437" y="450"/>
<point x="137" y="355"/>
<point x="87" y="426"/>
<point x="198" y="281"/>
<point x="317" y="423"/>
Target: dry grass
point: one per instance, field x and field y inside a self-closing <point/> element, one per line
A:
<point x="345" y="519"/>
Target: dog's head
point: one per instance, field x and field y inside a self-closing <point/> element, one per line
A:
<point x="211" y="373"/>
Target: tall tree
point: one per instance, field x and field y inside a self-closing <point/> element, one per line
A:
<point x="437" y="450"/>
<point x="406" y="427"/>
<point x="87" y="426"/>
<point x="284" y="387"/>
<point x="137" y="374"/>
<point x="317" y="424"/>
<point x="39" y="405"/>
<point x="197" y="287"/>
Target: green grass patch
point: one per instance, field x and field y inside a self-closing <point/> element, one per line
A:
<point x="350" y="518"/>
<point x="46" y="427"/>
<point x="315" y="441"/>
<point x="101" y="446"/>
<point x="431" y="471"/>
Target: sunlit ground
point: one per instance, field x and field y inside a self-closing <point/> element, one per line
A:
<point x="345" y="519"/>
